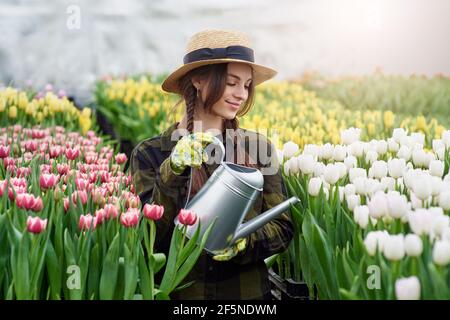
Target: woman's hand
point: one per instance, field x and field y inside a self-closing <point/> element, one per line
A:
<point x="190" y="151"/>
<point x="231" y="252"/>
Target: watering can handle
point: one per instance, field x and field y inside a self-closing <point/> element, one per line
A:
<point x="215" y="141"/>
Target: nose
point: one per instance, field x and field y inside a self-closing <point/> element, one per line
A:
<point x="240" y="92"/>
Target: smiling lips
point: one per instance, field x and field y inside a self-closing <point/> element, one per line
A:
<point x="233" y="105"/>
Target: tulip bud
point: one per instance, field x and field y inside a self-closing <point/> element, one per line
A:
<point x="350" y="135"/>
<point x="319" y="169"/>
<point x="397" y="204"/>
<point x="290" y="149"/>
<point x="153" y="212"/>
<point x="413" y="245"/>
<point x="380" y="169"/>
<point x="36" y="225"/>
<point x="375" y="240"/>
<point x="378" y="206"/>
<point x="350" y="162"/>
<point x="404" y="153"/>
<point x="398" y="134"/>
<point x="121" y="158"/>
<point x="422" y="187"/>
<point x="441" y="253"/>
<point x="444" y="200"/>
<point x="407" y="288"/>
<point x="314" y="186"/>
<point x="86" y="221"/>
<point x="394" y="247"/>
<point x="353" y="201"/>
<point x="437" y="168"/>
<point x="187" y="217"/>
<point x="349" y="189"/>
<point x="130" y="218"/>
<point x="306" y="163"/>
<point x="393" y="145"/>
<point x="339" y="153"/>
<point x="327" y="151"/>
<point x="110" y="211"/>
<point x="331" y="174"/>
<point x="361" y="216"/>
<point x="381" y="147"/>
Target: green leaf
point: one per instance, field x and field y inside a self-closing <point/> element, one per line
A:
<point x="108" y="279"/>
<point x="131" y="273"/>
<point x="53" y="271"/>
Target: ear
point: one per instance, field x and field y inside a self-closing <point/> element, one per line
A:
<point x="196" y="82"/>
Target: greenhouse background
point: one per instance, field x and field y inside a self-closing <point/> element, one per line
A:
<point x="358" y="114"/>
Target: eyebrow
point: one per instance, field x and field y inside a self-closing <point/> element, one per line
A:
<point x="235" y="76"/>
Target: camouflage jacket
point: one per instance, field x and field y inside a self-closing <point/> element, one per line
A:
<point x="242" y="277"/>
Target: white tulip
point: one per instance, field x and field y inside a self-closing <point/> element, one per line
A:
<point x="327" y="193"/>
<point x="361" y="216"/>
<point x="398" y="134"/>
<point x="341" y="193"/>
<point x="422" y="187"/>
<point x="407" y="141"/>
<point x="380" y="169"/>
<point x="342" y="168"/>
<point x="319" y="169"/>
<point x="446" y="235"/>
<point x="293" y="166"/>
<point x="350" y="162"/>
<point x="312" y="149"/>
<point x="416" y="203"/>
<point x="396" y="167"/>
<point x="404" y="152"/>
<point x="378" y="205"/>
<point x="290" y="149"/>
<point x="360" y="185"/>
<point x="437" y="168"/>
<point x="441" y="154"/>
<point x="371" y="156"/>
<point x="326" y="151"/>
<point x="407" y="288"/>
<point x="350" y="135"/>
<point x="393" y="146"/>
<point x="357" y="149"/>
<point x="444" y="200"/>
<point x="440" y="224"/>
<point x="394" y="247"/>
<point x="331" y="174"/>
<point x="314" y="186"/>
<point x="436" y="186"/>
<point x="349" y="189"/>
<point x="418" y="137"/>
<point x="339" y="153"/>
<point x="280" y="156"/>
<point x="410" y="176"/>
<point x="413" y="245"/>
<point x="382" y="147"/>
<point x="306" y="163"/>
<point x="420" y="221"/>
<point x="418" y="157"/>
<point x="353" y="200"/>
<point x="388" y="183"/>
<point x="372" y="186"/>
<point x="441" y="253"/>
<point x="446" y="138"/>
<point x="286" y="168"/>
<point x="397" y="204"/>
<point x="437" y="144"/>
<point x="356" y="172"/>
<point x="374" y="240"/>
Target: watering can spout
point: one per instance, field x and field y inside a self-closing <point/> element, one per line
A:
<point x="251" y="226"/>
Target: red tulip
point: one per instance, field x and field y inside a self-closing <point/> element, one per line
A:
<point x="130" y="218"/>
<point x="121" y="158"/>
<point x="153" y="212"/>
<point x="4" y="151"/>
<point x="47" y="181"/>
<point x="187" y="217"/>
<point x="62" y="168"/>
<point x="36" y="224"/>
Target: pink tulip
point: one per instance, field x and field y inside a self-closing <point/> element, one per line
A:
<point x="81" y="183"/>
<point x="4" y="151"/>
<point x="29" y="202"/>
<point x="66" y="204"/>
<point x="37" y="134"/>
<point x="130" y="218"/>
<point x="3" y="186"/>
<point x="92" y="177"/>
<point x="72" y="153"/>
<point x="187" y="217"/>
<point x="97" y="196"/>
<point x="86" y="221"/>
<point x="36" y="225"/>
<point x="106" y="177"/>
<point x="82" y="194"/>
<point x="153" y="212"/>
<point x="55" y="151"/>
<point x="47" y="181"/>
<point x="100" y="216"/>
<point x="23" y="171"/>
<point x="121" y="158"/>
<point x="62" y="168"/>
<point x="110" y="211"/>
<point x="133" y="202"/>
<point x="31" y="145"/>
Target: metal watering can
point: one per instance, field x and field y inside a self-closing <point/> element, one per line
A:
<point x="226" y="197"/>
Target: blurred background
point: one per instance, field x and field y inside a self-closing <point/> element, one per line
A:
<point x="71" y="44"/>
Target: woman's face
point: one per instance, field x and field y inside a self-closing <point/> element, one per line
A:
<point x="239" y="77"/>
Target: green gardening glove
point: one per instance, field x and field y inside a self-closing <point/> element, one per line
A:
<point x="231" y="252"/>
<point x="190" y="151"/>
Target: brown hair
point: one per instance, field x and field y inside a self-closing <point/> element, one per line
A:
<point x="216" y="75"/>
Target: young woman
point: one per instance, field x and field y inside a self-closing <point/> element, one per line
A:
<point x="216" y="82"/>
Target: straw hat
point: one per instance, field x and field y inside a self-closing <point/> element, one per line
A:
<point x="217" y="46"/>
